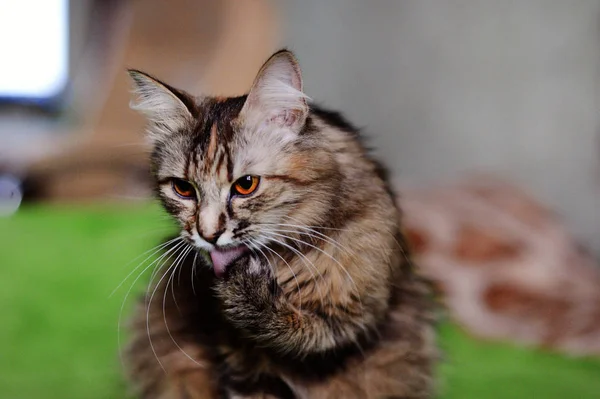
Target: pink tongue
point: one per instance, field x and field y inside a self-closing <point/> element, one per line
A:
<point x="223" y="258"/>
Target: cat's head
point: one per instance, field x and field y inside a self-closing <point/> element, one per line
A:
<point x="235" y="171"/>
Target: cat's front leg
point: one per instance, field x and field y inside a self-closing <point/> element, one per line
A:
<point x="250" y="295"/>
<point x="253" y="302"/>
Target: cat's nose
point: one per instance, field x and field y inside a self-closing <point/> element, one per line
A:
<point x="211" y="223"/>
<point x="211" y="238"/>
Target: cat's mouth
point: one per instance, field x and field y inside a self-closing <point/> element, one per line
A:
<point x="223" y="257"/>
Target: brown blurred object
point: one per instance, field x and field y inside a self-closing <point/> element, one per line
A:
<point x="203" y="46"/>
<point x="506" y="266"/>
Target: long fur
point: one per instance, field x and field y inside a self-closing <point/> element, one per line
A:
<point x="325" y="303"/>
<point x="165" y="112"/>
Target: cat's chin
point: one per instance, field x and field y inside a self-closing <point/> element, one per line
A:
<point x="223" y="257"/>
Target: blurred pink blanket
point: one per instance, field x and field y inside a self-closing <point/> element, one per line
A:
<point x="508" y="269"/>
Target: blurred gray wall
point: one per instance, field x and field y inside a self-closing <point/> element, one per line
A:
<point x="450" y="86"/>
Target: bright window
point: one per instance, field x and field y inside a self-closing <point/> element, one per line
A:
<point x="34" y="41"/>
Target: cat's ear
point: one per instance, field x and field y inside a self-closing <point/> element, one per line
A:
<point x="276" y="95"/>
<point x="167" y="109"/>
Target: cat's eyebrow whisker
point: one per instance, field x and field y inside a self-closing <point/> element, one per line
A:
<point x="304" y="259"/>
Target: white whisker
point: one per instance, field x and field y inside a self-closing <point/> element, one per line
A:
<point x="355" y="230"/>
<point x="171" y="280"/>
<point x="155" y="249"/>
<point x="273" y="270"/>
<point x="304" y="260"/>
<point x="193" y="274"/>
<point x="324" y="237"/>
<point x="177" y="263"/>
<point x="159" y="265"/>
<point x="326" y="254"/>
<point x="178" y="245"/>
<point x="156" y="270"/>
<point x="358" y="322"/>
<point x="148" y="315"/>
<point x="313" y="230"/>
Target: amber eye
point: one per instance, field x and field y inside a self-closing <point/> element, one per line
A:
<point x="183" y="189"/>
<point x="246" y="185"/>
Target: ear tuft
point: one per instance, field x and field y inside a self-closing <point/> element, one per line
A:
<point x="276" y="95"/>
<point x="164" y="107"/>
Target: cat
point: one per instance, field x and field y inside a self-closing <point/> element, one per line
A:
<point x="290" y="277"/>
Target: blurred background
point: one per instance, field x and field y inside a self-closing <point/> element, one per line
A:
<point x="486" y="113"/>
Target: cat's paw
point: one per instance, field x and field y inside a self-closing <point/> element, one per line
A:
<point x="248" y="292"/>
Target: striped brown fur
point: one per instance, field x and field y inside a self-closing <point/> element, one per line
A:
<point x="325" y="303"/>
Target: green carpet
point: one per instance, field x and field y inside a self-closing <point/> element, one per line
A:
<point x="58" y="331"/>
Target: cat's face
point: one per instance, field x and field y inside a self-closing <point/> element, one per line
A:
<point x="235" y="171"/>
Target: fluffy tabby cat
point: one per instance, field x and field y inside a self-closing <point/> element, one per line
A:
<point x="290" y="278"/>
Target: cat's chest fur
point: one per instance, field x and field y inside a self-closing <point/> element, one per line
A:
<point x="190" y="333"/>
